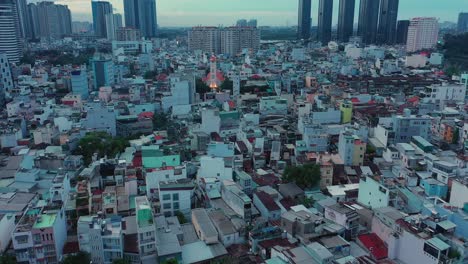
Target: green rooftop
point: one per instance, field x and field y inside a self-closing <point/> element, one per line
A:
<point x="144" y="216"/>
<point x="158" y="162"/>
<point x="45" y="221"/>
<point x="437" y="243"/>
<point x="151" y="151"/>
<point x="229" y="115"/>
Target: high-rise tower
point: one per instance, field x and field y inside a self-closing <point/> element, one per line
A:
<point x="387" y="21"/>
<point x="10" y="42"/>
<point x="141" y="14"/>
<point x="346" y="20"/>
<point x="368" y="19"/>
<point x="303" y="23"/>
<point x="100" y="10"/>
<point x="325" y="21"/>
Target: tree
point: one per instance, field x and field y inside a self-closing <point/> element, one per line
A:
<point x="306" y="176"/>
<point x="7" y="259"/>
<point x="201" y="87"/>
<point x="160" y="120"/>
<point x="120" y="261"/>
<point x="150" y="74"/>
<point x="181" y="217"/>
<point x="227" y="85"/>
<point x="101" y="143"/>
<point x="456" y="136"/>
<point x="80" y="258"/>
<point x="170" y="261"/>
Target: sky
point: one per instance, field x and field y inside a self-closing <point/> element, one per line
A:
<point x="267" y="12"/>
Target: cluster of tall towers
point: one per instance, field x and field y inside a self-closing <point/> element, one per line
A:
<point x="377" y="22"/>
<point x="139" y="14"/>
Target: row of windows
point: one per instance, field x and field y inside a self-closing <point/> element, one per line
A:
<point x="175" y="197"/>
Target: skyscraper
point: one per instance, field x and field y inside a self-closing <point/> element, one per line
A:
<point x="241" y="23"/>
<point x="131" y="13"/>
<point x="100" y="10"/>
<point x="113" y="22"/>
<point x="303" y="28"/>
<point x="388" y="21"/>
<point x="252" y="23"/>
<point x="325" y="21"/>
<point x="463" y="22"/>
<point x="141" y="14"/>
<point x="346" y="19"/>
<point x="48" y="20"/>
<point x="423" y="33"/>
<point x="24" y="19"/>
<point x="103" y="71"/>
<point x="10" y="43"/>
<point x="368" y="19"/>
<point x="402" y="31"/>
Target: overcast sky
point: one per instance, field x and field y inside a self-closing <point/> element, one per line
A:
<point x="267" y="12"/>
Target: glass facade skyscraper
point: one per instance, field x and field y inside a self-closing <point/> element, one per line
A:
<point x="325" y="21"/>
<point x="388" y="21"/>
<point x="303" y="28"/>
<point x="346" y="20"/>
<point x="141" y="14"/>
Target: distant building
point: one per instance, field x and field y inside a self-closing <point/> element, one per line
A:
<point x="304" y="20"/>
<point x="113" y="22"/>
<point x="351" y="149"/>
<point x="325" y="21"/>
<point x="423" y="33"/>
<point x="142" y="15"/>
<point x="176" y="196"/>
<point x="100" y="118"/>
<point x="10" y="43"/>
<point x="368" y="20"/>
<point x="402" y="31"/>
<point x="462" y="22"/>
<point x="50" y="20"/>
<point x="79" y="82"/>
<point x="236" y="39"/>
<point x="6" y="80"/>
<point x="146" y="230"/>
<point x="388" y="21"/>
<point x="252" y="23"/>
<point x="103" y="71"/>
<point x="230" y="40"/>
<point x="100" y="9"/>
<point x="102" y="238"/>
<point x="346" y="20"/>
<point x="127" y="34"/>
<point x="405" y="126"/>
<point x="40" y="234"/>
<point x="241" y="23"/>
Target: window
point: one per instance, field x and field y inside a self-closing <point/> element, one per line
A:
<point x="175" y="196"/>
<point x="166" y="197"/>
<point x="176" y="206"/>
<point x="167" y="206"/>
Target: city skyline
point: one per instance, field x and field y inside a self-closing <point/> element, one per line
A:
<point x="212" y="12"/>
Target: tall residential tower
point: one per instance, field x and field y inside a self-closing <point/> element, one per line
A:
<point x="325" y="21"/>
<point x="10" y="42"/>
<point x="303" y="28"/>
<point x="100" y="10"/>
<point x="346" y="19"/>
<point x="141" y="14"/>
<point x="368" y="19"/>
<point x="388" y="21"/>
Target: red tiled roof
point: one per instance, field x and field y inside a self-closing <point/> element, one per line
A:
<point x="146" y="115"/>
<point x="267" y="201"/>
<point x="375" y="245"/>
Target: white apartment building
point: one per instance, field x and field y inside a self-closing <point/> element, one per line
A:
<point x="423" y="33"/>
